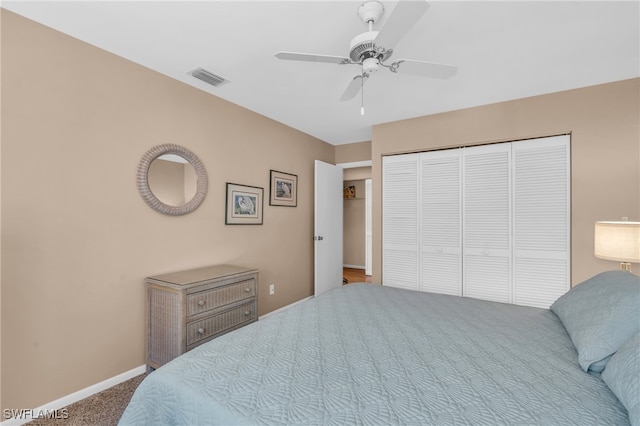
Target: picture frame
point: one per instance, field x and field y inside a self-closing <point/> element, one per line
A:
<point x="349" y="192"/>
<point x="283" y="189"/>
<point x="244" y="204"/>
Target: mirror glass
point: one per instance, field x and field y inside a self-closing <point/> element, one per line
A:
<point x="172" y="179"/>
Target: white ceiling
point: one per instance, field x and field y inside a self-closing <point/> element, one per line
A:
<point x="504" y="50"/>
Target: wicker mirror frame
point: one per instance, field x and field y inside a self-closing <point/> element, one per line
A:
<point x="145" y="190"/>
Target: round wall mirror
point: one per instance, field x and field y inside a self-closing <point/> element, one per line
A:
<point x="172" y="180"/>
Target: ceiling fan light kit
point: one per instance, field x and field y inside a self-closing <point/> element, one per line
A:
<point x="371" y="49"/>
<point x="370" y="65"/>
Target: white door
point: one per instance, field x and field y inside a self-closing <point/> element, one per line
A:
<point x="541" y="220"/>
<point x="328" y="229"/>
<point x="486" y="223"/>
<point x="400" y="225"/>
<point x="440" y="222"/>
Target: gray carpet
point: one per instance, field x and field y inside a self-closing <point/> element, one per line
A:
<point x="102" y="409"/>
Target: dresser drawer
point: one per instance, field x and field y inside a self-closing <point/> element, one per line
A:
<point x="207" y="327"/>
<point x="221" y="296"/>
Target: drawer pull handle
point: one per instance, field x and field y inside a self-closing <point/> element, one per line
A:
<point x="201" y="331"/>
<point x="246" y="313"/>
<point x="247" y="290"/>
<point x="201" y="302"/>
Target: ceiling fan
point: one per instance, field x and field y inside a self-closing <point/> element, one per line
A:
<point x="372" y="49"/>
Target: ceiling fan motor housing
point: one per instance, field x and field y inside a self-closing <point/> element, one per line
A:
<point x="363" y="47"/>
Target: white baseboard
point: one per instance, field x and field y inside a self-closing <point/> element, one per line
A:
<point x="52" y="407"/>
<point x="354" y="266"/>
<point x="284" y="307"/>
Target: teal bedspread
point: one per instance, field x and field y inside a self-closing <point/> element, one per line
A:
<point x="365" y="354"/>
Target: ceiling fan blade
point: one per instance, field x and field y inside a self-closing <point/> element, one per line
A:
<point x="426" y="69"/>
<point x="402" y="19"/>
<point x="354" y="87"/>
<point x="309" y="57"/>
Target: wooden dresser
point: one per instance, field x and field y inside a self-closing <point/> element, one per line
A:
<point x="188" y="308"/>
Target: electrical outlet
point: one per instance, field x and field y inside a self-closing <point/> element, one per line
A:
<point x="272" y="289"/>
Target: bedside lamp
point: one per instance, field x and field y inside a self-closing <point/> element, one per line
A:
<point x="619" y="241"/>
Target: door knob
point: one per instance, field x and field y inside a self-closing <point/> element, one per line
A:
<point x="318" y="238"/>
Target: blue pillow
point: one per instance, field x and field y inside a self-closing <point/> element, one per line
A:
<point x="622" y="375"/>
<point x="600" y="315"/>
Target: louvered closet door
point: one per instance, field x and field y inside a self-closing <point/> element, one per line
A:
<point x="487" y="222"/>
<point x="400" y="221"/>
<point x="541" y="220"/>
<point x="440" y="219"/>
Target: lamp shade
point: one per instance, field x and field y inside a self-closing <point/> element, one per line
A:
<point x="618" y="241"/>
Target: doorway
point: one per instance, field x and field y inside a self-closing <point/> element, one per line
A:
<point x="357" y="223"/>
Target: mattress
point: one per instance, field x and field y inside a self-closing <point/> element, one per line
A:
<point x="369" y="354"/>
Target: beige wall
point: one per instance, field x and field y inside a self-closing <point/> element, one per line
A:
<point x="77" y="239"/>
<point x="353" y="152"/>
<point x="604" y="123"/>
<point x="357" y="173"/>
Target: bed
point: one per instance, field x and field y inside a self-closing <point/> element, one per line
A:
<point x="369" y="354"/>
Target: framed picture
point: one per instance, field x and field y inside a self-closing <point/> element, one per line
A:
<point x="244" y="205"/>
<point x="349" y="192"/>
<point x="284" y="189"/>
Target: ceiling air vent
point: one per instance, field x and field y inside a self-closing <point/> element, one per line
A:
<point x="209" y="77"/>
